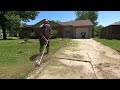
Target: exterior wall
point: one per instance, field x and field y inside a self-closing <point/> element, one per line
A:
<point x="90" y="32"/>
<point x="68" y="31"/>
<point x="108" y="32"/>
<point x="60" y="31"/>
<point x="102" y="33"/>
<point x="74" y="32"/>
<point x="115" y="32"/>
<point x="111" y="32"/>
<point x="25" y="33"/>
<point x="71" y="31"/>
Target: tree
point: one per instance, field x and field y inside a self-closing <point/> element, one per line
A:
<point x="26" y="16"/>
<point x="24" y="24"/>
<point x="56" y="21"/>
<point x="12" y="23"/>
<point x="12" y="19"/>
<point x="91" y="15"/>
<point x="98" y="30"/>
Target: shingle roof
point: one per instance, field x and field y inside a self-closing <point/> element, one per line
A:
<point x="116" y="23"/>
<point x="73" y="23"/>
<point x="77" y="23"/>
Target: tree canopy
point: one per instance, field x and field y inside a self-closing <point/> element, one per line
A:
<point x="11" y="20"/>
<point x="91" y="15"/>
<point x="98" y="30"/>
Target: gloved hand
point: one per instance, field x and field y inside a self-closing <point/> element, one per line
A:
<point x="46" y="41"/>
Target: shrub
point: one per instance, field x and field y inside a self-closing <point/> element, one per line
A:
<point x="54" y="34"/>
<point x="32" y="35"/>
<point x="26" y="40"/>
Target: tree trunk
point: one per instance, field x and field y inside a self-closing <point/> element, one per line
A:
<point x="4" y="33"/>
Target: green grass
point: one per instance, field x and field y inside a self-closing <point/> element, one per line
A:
<point x="15" y="62"/>
<point x="115" y="44"/>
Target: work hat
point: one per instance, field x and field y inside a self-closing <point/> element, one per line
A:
<point x="45" y="21"/>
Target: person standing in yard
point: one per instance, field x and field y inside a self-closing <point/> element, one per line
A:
<point x="45" y="34"/>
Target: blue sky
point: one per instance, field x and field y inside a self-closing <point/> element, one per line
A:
<point x="104" y="17"/>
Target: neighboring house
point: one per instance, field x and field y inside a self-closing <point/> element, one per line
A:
<point x="27" y="30"/>
<point x="1" y="34"/>
<point x="70" y="29"/>
<point x="13" y="34"/>
<point x="112" y="31"/>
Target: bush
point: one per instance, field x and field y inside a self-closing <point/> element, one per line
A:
<point x="26" y="40"/>
<point x="54" y="34"/>
<point x="32" y="35"/>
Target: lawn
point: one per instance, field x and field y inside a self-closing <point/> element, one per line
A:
<point x="15" y="62"/>
<point x="115" y="44"/>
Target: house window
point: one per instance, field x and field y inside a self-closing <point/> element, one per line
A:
<point x="67" y="29"/>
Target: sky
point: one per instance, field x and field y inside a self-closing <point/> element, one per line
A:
<point x="105" y="18"/>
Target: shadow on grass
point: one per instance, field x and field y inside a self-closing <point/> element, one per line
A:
<point x="34" y="57"/>
<point x="38" y="56"/>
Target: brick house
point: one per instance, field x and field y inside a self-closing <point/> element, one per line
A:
<point x="70" y="29"/>
<point x="74" y="29"/>
<point x="26" y="31"/>
<point x="111" y="31"/>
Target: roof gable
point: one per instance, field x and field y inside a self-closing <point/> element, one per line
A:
<point x="72" y="23"/>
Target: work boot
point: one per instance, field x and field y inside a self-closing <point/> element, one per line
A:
<point x="47" y="50"/>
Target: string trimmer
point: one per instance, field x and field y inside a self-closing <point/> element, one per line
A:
<point x="39" y="61"/>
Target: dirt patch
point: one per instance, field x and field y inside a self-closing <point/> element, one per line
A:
<point x="23" y="42"/>
<point x="62" y="71"/>
<point x="109" y="70"/>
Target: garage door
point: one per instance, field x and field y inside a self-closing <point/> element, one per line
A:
<point x="82" y="30"/>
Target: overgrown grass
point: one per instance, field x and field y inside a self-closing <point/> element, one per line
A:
<point x="15" y="60"/>
<point x="56" y="44"/>
<point x="115" y="44"/>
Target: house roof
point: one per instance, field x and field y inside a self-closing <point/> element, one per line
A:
<point x="116" y="23"/>
<point x="77" y="23"/>
<point x="49" y="22"/>
<point x="73" y="23"/>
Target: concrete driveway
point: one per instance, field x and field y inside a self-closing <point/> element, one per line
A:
<point x="82" y="59"/>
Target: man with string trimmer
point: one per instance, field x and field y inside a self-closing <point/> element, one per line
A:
<point x="44" y="38"/>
